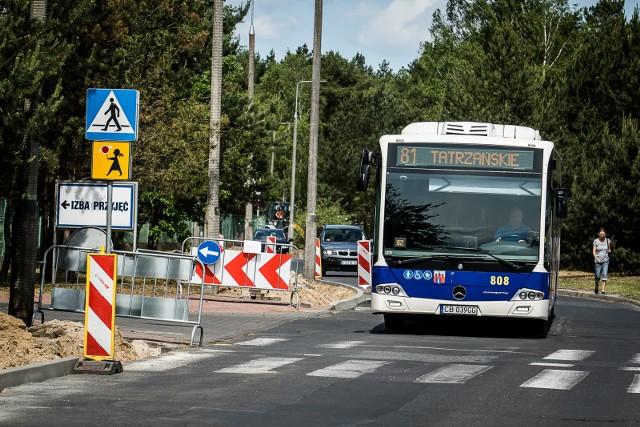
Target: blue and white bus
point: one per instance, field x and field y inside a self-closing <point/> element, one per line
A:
<point x="466" y="222"/>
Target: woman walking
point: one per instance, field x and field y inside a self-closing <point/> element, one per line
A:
<point x="601" y="251"/>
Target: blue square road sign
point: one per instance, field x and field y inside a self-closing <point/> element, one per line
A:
<point x="112" y="114"/>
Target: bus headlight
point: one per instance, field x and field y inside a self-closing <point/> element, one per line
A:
<point x="529" y="295"/>
<point x="391" y="289"/>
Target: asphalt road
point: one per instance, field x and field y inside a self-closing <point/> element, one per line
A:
<point x="346" y="369"/>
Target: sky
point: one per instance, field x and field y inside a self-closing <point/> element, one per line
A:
<point x="390" y="30"/>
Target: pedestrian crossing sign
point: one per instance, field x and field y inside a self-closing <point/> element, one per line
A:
<point x="111" y="160"/>
<point x="112" y="114"/>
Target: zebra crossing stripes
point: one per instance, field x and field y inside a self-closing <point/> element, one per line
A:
<point x="458" y="369"/>
<point x="262" y="342"/>
<point x="342" y="344"/>
<point x="453" y="374"/>
<point x="570" y="355"/>
<point x="552" y="365"/>
<point x="168" y="361"/>
<point x="426" y="357"/>
<point x="635" y="384"/>
<point x="349" y="369"/>
<point x="263" y="365"/>
<point x="556" y="379"/>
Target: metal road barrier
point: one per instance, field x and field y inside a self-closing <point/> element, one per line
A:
<point x="249" y="264"/>
<point x="150" y="285"/>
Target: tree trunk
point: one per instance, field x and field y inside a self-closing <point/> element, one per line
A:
<point x="23" y="270"/>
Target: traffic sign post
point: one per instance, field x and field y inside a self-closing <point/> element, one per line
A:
<point x="112" y="115"/>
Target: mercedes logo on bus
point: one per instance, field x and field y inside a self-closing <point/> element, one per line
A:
<point x="459" y="292"/>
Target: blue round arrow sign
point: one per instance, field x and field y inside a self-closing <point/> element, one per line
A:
<point x="209" y="252"/>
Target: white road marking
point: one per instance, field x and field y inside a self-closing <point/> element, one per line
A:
<point x="556" y="379"/>
<point x="342" y="344"/>
<point x="349" y="369"/>
<point x="263" y="365"/>
<point x="635" y="358"/>
<point x="262" y="342"/>
<point x="552" y="365"/>
<point x="453" y="374"/>
<point x="573" y="355"/>
<point x="466" y="350"/>
<point x="635" y="385"/>
<point x="166" y="362"/>
<point x="630" y="368"/>
<point x="425" y="357"/>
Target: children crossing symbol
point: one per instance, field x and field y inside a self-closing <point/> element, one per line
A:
<point x="111" y="160"/>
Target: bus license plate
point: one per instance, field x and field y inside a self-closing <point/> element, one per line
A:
<point x="348" y="262"/>
<point x="470" y="310"/>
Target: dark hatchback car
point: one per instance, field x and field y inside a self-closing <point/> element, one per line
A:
<point x="261" y="234"/>
<point x="339" y="247"/>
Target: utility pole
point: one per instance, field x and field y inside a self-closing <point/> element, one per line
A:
<point x="248" y="207"/>
<point x="311" y="225"/>
<point x="212" y="215"/>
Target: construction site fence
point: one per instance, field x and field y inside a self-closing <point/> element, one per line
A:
<point x="149" y="285"/>
<point x="285" y="258"/>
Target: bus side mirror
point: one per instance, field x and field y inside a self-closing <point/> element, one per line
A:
<point x="561" y="202"/>
<point x="365" y="170"/>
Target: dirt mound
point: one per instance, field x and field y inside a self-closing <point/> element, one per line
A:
<point x="52" y="340"/>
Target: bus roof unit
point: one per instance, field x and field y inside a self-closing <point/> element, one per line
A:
<point x="472" y="128"/>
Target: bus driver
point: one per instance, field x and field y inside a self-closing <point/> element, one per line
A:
<point x="514" y="228"/>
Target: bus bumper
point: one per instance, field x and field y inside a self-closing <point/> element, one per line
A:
<point x="538" y="309"/>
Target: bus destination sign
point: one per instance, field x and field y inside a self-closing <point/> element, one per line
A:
<point x="465" y="157"/>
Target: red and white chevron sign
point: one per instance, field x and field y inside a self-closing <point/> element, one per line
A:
<point x="100" y="310"/>
<point x="364" y="263"/>
<point x="237" y="268"/>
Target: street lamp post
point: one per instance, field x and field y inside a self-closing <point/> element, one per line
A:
<point x="293" y="158"/>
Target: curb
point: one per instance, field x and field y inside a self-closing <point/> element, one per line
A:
<point x="348" y="303"/>
<point x="37" y="372"/>
<point x="590" y="295"/>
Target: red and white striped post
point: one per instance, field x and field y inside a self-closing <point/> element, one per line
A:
<point x="100" y="309"/>
<point x="271" y="244"/>
<point x="318" y="259"/>
<point x="364" y="263"/>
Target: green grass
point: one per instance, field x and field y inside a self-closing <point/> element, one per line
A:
<point x="624" y="286"/>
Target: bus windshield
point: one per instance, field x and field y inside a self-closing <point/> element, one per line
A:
<point x="431" y="212"/>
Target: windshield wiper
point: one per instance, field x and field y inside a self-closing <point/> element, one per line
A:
<point x="462" y="248"/>
<point x="407" y="261"/>
<point x="482" y="251"/>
